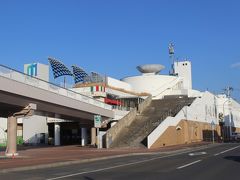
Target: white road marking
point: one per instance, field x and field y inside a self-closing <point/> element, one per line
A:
<point x="227" y="150"/>
<point x="128" y="164"/>
<point x="186" y="165"/>
<point x="197" y="153"/>
<point x="113" y="167"/>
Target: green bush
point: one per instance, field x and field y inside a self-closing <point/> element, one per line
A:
<point x="3" y="144"/>
<point x="19" y="140"/>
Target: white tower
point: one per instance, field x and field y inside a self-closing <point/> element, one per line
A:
<point x="184" y="69"/>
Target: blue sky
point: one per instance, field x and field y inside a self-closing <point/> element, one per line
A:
<point x="114" y="36"/>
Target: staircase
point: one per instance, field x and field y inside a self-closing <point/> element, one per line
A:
<point x="135" y="135"/>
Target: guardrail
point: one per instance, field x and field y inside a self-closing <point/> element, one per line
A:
<point x="41" y="84"/>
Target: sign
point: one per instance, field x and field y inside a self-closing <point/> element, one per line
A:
<point x="212" y="124"/>
<point x="32" y="69"/>
<point x="53" y="120"/>
<point x="221" y="116"/>
<point x="38" y="70"/>
<point x="97" y="121"/>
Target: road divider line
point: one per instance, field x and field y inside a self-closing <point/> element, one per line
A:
<point x="189" y="164"/>
<point x="197" y="153"/>
<point x="227" y="150"/>
<point x="127" y="164"/>
<point x="118" y="166"/>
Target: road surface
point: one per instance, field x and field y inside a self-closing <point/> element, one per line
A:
<point x="206" y="163"/>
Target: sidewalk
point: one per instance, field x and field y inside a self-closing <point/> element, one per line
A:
<point x="40" y="157"/>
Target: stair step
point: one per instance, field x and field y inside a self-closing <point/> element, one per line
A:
<point x="148" y="120"/>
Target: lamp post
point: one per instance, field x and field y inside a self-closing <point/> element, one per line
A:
<point x="213" y="128"/>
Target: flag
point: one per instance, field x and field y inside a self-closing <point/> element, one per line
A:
<point x="79" y="75"/>
<point x="58" y="68"/>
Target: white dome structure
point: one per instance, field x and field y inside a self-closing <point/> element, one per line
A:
<point x="150" y="68"/>
<point x="154" y="84"/>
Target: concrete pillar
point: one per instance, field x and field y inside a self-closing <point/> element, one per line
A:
<point x="11" y="136"/>
<point x="57" y="134"/>
<point x="83" y="136"/>
<point x="93" y="136"/>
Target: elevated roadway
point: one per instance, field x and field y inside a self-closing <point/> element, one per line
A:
<point x="17" y="90"/>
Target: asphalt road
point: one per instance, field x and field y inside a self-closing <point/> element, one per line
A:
<point x="215" y="162"/>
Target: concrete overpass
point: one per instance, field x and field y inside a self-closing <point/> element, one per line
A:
<point x="18" y="90"/>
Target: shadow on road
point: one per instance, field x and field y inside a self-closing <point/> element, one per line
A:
<point x="233" y="158"/>
<point x="88" y="178"/>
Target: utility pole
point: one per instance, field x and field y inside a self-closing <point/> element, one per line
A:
<point x="228" y="90"/>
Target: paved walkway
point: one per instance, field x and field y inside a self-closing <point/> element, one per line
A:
<point x="46" y="156"/>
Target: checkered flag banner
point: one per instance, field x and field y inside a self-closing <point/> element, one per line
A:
<point x="80" y="75"/>
<point x="58" y="68"/>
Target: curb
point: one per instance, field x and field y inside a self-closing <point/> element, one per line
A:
<point x="51" y="165"/>
<point x="58" y="164"/>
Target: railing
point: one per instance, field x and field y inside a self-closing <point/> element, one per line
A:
<point x="41" y="84"/>
<point x="114" y="131"/>
<point x="165" y="87"/>
<point x="165" y="121"/>
<point x="169" y="113"/>
<point x="150" y="125"/>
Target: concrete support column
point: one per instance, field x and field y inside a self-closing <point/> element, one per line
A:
<point x="93" y="136"/>
<point x="11" y="136"/>
<point x="83" y="136"/>
<point x="57" y="134"/>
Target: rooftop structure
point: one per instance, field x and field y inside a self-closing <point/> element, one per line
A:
<point x="150" y="68"/>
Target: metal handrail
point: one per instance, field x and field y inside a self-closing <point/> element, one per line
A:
<point x="164" y="88"/>
<point x="170" y="112"/>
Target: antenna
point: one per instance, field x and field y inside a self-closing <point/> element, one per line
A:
<point x="171" y="56"/>
<point x="228" y="91"/>
<point x="96" y="77"/>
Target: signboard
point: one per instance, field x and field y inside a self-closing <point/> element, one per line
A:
<point x="38" y="70"/>
<point x="97" y="121"/>
<point x="53" y="120"/>
<point x="212" y="124"/>
<point x="32" y="69"/>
